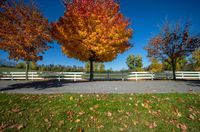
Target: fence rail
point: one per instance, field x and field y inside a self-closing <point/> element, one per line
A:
<point x="75" y="76"/>
<point x="42" y="75"/>
<point x="141" y="75"/>
<point x="190" y="75"/>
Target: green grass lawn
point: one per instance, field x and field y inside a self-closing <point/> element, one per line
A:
<point x="100" y="112"/>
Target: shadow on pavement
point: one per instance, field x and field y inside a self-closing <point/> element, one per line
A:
<point x="39" y="85"/>
<point x="194" y="83"/>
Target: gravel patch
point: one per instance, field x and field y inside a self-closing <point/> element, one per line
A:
<point x="53" y="86"/>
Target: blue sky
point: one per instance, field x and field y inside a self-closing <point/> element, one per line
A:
<point x="146" y="17"/>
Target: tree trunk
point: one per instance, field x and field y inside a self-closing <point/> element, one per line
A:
<point x="174" y="69"/>
<point x="91" y="70"/>
<point x="27" y="68"/>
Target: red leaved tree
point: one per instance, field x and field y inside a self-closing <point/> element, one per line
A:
<point x="173" y="43"/>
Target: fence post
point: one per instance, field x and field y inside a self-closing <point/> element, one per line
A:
<point x="199" y="75"/>
<point x="74" y="77"/>
<point x="182" y="75"/>
<point x="168" y="75"/>
<point x="122" y="76"/>
<point x="108" y="76"/>
<point x="11" y="76"/>
<point x="59" y="77"/>
<point x="136" y="76"/>
<point x="32" y="76"/>
<point x="152" y="76"/>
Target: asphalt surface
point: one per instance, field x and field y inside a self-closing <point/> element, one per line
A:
<point x="53" y="86"/>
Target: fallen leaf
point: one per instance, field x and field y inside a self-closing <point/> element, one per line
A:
<point x="38" y="110"/>
<point x="135" y="122"/>
<point x="155" y="113"/>
<point x="71" y="98"/>
<point x="151" y="125"/>
<point x="191" y="117"/>
<point x="183" y="127"/>
<point x="3" y="126"/>
<point x="101" y="126"/>
<point x="121" y="129"/>
<point x="191" y="109"/>
<point x="46" y="120"/>
<point x="177" y="112"/>
<point x="81" y="113"/>
<point x="61" y="123"/>
<point x="80" y="130"/>
<point x="49" y="126"/>
<point x="174" y="121"/>
<point x="69" y="113"/>
<point x="180" y="100"/>
<point x="96" y="106"/>
<point x="126" y="126"/>
<point x="120" y="111"/>
<point x="128" y="113"/>
<point x="20" y="126"/>
<point x="17" y="126"/>
<point x="77" y="120"/>
<point x="15" y="110"/>
<point x="109" y="114"/>
<point x="92" y="109"/>
<point x="146" y="104"/>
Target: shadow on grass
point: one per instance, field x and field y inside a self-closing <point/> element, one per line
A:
<point x="39" y="85"/>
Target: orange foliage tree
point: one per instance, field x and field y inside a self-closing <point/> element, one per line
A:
<point x="92" y="30"/>
<point x="24" y="32"/>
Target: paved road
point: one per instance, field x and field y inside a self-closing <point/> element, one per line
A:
<point x="49" y="87"/>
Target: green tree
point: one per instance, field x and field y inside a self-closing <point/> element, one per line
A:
<point x="87" y="66"/>
<point x="101" y="67"/>
<point x="21" y="65"/>
<point x="180" y="64"/>
<point x="33" y="66"/>
<point x="98" y="67"/>
<point x="196" y="59"/>
<point x="134" y="62"/>
<point x="155" y="66"/>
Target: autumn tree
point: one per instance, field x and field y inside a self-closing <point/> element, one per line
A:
<point x="92" y="30"/>
<point x="155" y="66"/>
<point x="24" y="32"/>
<point x="134" y="62"/>
<point x="171" y="43"/>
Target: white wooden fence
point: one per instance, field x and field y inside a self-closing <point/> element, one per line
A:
<point x="42" y="75"/>
<point x="75" y="76"/>
<point x="140" y="75"/>
<point x="187" y="75"/>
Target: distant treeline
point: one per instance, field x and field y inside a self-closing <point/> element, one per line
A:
<point x="98" y="67"/>
<point x="51" y="67"/>
<point x="36" y="67"/>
